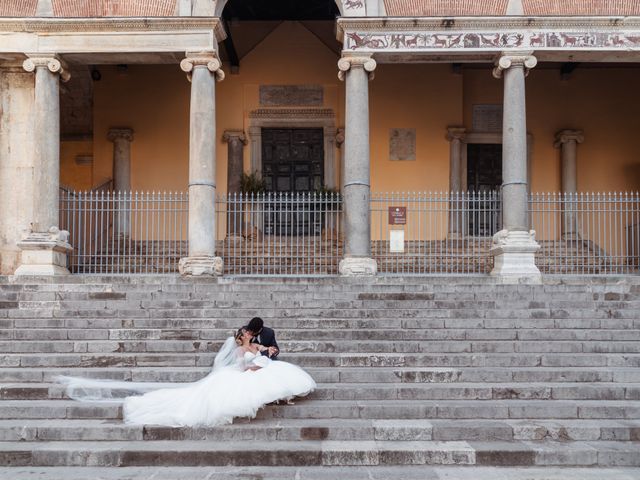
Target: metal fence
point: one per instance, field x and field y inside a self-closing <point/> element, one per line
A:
<point x="302" y="233"/>
<point x="125" y="232"/>
<point x="438" y="233"/>
<point x="587" y="233"/>
<point x="280" y="233"/>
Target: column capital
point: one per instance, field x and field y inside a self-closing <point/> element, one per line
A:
<point x="566" y="136"/>
<point x="234" y="136"/>
<point x="456" y="133"/>
<point x="209" y="60"/>
<point x="361" y="61"/>
<point x="518" y="60"/>
<point x="51" y="62"/>
<point x="117" y="133"/>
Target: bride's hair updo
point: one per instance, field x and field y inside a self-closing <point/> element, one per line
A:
<point x="238" y="336"/>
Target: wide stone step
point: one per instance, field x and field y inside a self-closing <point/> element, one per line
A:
<point x="379" y="472"/>
<point x="326" y="429"/>
<point x="443" y="359"/>
<point x="318" y="453"/>
<point x="330" y="347"/>
<point x="389" y="391"/>
<point x="364" y="409"/>
<point x="352" y="375"/>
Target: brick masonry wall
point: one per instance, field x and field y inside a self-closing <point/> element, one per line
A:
<point x="445" y="7"/>
<point x="581" y="7"/>
<point x="18" y="8"/>
<point x="114" y="8"/>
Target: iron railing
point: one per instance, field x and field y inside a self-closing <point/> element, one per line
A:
<point x="125" y="232"/>
<point x="586" y="233"/>
<point x="443" y="233"/>
<point x="280" y="233"/>
<point x="302" y="233"/>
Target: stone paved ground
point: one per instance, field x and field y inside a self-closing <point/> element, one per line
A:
<point x="419" y="378"/>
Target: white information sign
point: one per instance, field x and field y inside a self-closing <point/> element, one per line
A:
<point x="396" y="241"/>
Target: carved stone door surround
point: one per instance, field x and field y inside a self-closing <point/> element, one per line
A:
<point x="295" y="118"/>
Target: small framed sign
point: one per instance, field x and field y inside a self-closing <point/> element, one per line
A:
<point x="397" y="215"/>
<point x="396" y="241"/>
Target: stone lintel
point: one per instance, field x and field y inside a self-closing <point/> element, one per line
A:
<point x="358" y="267"/>
<point x="201" y="266"/>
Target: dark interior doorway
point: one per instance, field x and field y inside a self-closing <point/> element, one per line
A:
<point x="293" y="159"/>
<point x="484" y="176"/>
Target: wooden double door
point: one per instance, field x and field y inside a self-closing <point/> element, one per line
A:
<point x="293" y="162"/>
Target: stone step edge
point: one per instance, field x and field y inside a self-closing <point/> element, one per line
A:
<point x="320" y="453"/>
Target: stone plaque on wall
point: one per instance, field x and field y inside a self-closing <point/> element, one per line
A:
<point x="487" y="118"/>
<point x="402" y="144"/>
<point x="291" y="95"/>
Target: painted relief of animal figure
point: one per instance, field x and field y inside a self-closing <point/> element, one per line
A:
<point x="617" y="41"/>
<point x="537" y="40"/>
<point x="365" y="42"/>
<point x="350" y="4"/>
<point x="439" y="40"/>
<point x="456" y="41"/>
<point x="493" y="40"/>
<point x="569" y="40"/>
<point x="412" y="42"/>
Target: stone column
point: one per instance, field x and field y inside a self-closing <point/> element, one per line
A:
<point x="122" y="138"/>
<point x="356" y="72"/>
<point x="236" y="140"/>
<point x="515" y="246"/>
<point x="45" y="249"/>
<point x="455" y="135"/>
<point x="567" y="141"/>
<point x="203" y="71"/>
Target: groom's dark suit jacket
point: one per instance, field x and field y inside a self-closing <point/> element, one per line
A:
<point x="267" y="338"/>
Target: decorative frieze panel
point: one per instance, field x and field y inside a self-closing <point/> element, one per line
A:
<point x="497" y="40"/>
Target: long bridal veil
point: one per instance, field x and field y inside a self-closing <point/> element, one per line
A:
<point x="96" y="390"/>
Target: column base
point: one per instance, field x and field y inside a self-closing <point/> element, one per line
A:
<point x="201" y="266"/>
<point x="514" y="257"/>
<point x="45" y="254"/>
<point x="358" y="267"/>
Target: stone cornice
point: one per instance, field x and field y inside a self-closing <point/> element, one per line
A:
<point x="292" y="113"/>
<point x="136" y="24"/>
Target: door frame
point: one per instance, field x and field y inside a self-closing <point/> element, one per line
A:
<point x="324" y="118"/>
<point x="491" y="138"/>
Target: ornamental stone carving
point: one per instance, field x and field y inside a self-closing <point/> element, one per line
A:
<point x="53" y="64"/>
<point x="566" y="136"/>
<point x="524" y="60"/>
<point x="210" y="61"/>
<point x="347" y="63"/>
<point x="234" y="136"/>
<point x="120" y="134"/>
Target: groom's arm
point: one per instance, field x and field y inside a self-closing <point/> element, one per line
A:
<point x="271" y="342"/>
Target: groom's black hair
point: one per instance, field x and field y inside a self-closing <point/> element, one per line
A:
<point x="255" y="324"/>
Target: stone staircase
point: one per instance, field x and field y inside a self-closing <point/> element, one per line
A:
<point x="428" y="378"/>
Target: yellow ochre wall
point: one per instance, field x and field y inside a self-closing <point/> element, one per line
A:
<point x="154" y="101"/>
<point x="603" y="102"/>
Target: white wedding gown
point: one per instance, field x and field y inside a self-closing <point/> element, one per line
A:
<point x="230" y="390"/>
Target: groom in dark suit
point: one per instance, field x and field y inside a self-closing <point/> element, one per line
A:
<point x="264" y="336"/>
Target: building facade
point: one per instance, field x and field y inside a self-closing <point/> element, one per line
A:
<point x="493" y="104"/>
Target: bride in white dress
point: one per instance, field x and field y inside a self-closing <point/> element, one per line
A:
<point x="241" y="382"/>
